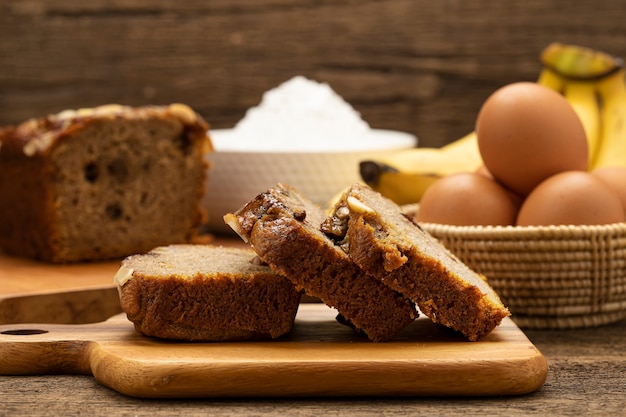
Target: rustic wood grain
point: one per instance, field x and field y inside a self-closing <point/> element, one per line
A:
<point x="319" y="357"/>
<point x="74" y="306"/>
<point x="418" y="66"/>
<point x="586" y="377"/>
<point x="34" y="291"/>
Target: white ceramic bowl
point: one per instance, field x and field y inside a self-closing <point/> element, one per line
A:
<point x="236" y="176"/>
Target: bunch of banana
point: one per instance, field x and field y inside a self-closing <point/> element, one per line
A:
<point x="595" y="86"/>
<point x="612" y="144"/>
<point x="593" y="82"/>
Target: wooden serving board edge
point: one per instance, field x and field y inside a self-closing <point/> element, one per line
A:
<point x="330" y="363"/>
<point x="64" y="306"/>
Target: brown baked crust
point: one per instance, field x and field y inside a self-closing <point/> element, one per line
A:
<point x="284" y="230"/>
<point x="92" y="184"/>
<point x="382" y="241"/>
<point x="205" y="293"/>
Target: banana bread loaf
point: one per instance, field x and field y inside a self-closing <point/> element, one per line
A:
<point x="381" y="240"/>
<point x="101" y="183"/>
<point x="283" y="228"/>
<point x="205" y="293"/>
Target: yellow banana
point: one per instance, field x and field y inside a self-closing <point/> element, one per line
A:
<point x="549" y="78"/>
<point x="399" y="186"/>
<point x="465" y="147"/>
<point x="583" y="96"/>
<point x="612" y="151"/>
<point x="584" y="70"/>
<point x="405" y="175"/>
<point x="577" y="62"/>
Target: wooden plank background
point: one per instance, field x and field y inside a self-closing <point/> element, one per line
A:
<point x="420" y="66"/>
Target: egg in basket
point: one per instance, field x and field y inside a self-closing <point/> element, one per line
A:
<point x="543" y="217"/>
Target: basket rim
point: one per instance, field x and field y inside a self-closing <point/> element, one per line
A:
<point x="526" y="232"/>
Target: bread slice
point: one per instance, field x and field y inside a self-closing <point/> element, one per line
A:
<point x="205" y="293"/>
<point x="101" y="183"/>
<point x="283" y="228"/>
<point x="380" y="239"/>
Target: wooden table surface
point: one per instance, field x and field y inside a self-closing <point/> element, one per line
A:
<point x="586" y="377"/>
<point x="418" y="66"/>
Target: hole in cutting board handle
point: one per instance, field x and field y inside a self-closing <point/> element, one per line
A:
<point x="24" y="332"/>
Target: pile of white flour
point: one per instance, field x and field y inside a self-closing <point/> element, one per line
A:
<point x="299" y="115"/>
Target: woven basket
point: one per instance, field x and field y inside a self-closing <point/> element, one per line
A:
<point x="550" y="277"/>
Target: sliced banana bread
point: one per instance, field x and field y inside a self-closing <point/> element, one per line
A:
<point x="205" y="293"/>
<point x="101" y="183"/>
<point x="283" y="228"/>
<point x="385" y="243"/>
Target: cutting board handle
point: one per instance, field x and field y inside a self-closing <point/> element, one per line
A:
<point x="44" y="349"/>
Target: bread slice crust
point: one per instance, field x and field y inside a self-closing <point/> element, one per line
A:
<point x="384" y="242"/>
<point x="283" y="228"/>
<point x="205" y="293"/>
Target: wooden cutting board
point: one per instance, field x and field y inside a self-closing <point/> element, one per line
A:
<point x="319" y="358"/>
<point x="33" y="291"/>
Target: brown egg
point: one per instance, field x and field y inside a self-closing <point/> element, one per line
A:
<point x="527" y="133"/>
<point x="482" y="170"/>
<point x="571" y="198"/>
<point x="614" y="177"/>
<point x="467" y="199"/>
